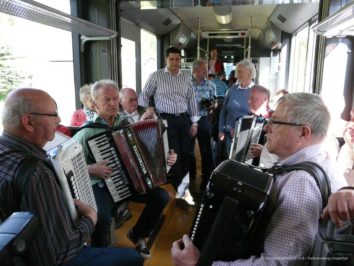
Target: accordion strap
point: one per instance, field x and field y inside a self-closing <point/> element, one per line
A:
<point x="314" y="170"/>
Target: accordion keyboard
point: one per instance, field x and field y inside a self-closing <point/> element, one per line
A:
<point x="117" y="184"/>
<point x="70" y="166"/>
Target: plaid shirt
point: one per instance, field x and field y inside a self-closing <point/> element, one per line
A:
<point x="205" y="89"/>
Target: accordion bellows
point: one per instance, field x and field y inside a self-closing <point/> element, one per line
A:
<point x="136" y="154"/>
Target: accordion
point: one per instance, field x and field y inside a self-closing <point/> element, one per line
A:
<point x="70" y="166"/>
<point x="136" y="154"/>
<point x="248" y="130"/>
<point x="249" y="188"/>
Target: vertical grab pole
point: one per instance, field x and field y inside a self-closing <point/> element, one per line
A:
<point x="198" y="49"/>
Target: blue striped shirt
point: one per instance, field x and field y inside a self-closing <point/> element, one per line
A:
<point x="205" y="89"/>
<point x="172" y="93"/>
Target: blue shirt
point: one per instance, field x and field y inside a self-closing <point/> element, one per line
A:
<point x="205" y="89"/>
<point x="221" y="87"/>
<point x="235" y="105"/>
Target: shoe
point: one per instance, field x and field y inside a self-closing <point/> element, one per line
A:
<point x="181" y="203"/>
<point x="188" y="198"/>
<point x="122" y="217"/>
<point x="140" y="245"/>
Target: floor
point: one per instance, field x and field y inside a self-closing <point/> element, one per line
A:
<point x="177" y="222"/>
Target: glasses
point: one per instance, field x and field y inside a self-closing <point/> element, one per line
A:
<point x="46" y="114"/>
<point x="271" y="121"/>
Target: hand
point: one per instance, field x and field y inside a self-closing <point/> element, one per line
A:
<point x="232" y="132"/>
<point x="221" y="136"/>
<point x="100" y="169"/>
<point x="149" y="114"/>
<point x="256" y="150"/>
<point x="172" y="157"/>
<point x="340" y="207"/>
<point x="86" y="210"/>
<point x="193" y="131"/>
<point x="184" y="253"/>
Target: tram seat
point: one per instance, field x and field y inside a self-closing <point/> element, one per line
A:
<point x="16" y="232"/>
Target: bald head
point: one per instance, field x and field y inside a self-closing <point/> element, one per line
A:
<point x="128" y="100"/>
<point x="28" y="112"/>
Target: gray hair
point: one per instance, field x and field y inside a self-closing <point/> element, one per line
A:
<point x="261" y="89"/>
<point x="14" y="110"/>
<point x="85" y="93"/>
<point x="248" y="65"/>
<point x="100" y="84"/>
<point x="197" y="63"/>
<point x="123" y="91"/>
<point x="309" y="109"/>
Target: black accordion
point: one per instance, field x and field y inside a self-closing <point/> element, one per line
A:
<point x="248" y="130"/>
<point x="137" y="155"/>
<point x="247" y="190"/>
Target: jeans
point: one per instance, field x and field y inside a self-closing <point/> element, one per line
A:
<point x="105" y="204"/>
<point x="89" y="256"/>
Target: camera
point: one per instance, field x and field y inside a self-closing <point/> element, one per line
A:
<point x="206" y="102"/>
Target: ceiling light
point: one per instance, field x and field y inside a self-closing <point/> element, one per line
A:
<point x="223" y="14"/>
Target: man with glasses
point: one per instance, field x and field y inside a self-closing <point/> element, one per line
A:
<point x="30" y="119"/>
<point x="295" y="133"/>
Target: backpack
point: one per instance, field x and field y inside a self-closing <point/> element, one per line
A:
<point x="231" y="222"/>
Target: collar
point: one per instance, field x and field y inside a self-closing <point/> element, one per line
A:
<point x="304" y="154"/>
<point x="166" y="70"/>
<point x="26" y="146"/>
<point x="244" y="88"/>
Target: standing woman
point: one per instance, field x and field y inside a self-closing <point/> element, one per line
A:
<point x="236" y="101"/>
<point x="215" y="65"/>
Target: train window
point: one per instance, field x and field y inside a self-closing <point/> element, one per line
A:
<point x="129" y="65"/>
<point x="298" y="59"/>
<point x="39" y="56"/>
<point x="333" y="82"/>
<point x="148" y="55"/>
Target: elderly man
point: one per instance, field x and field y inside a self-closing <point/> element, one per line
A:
<point x="204" y="92"/>
<point x="295" y="132"/>
<point x="105" y="95"/>
<point x="30" y="119"/>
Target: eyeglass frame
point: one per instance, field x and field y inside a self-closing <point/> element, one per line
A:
<point x="271" y="121"/>
<point x="45" y="114"/>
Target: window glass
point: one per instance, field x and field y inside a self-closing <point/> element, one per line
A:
<point x="148" y="55"/>
<point x="128" y="63"/>
<point x="37" y="56"/>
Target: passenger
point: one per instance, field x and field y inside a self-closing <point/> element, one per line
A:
<point x="259" y="105"/>
<point x="105" y="95"/>
<point x="295" y="133"/>
<point x="215" y="65"/>
<point x="345" y="158"/>
<point x="340" y="207"/>
<point x="221" y="89"/>
<point x="86" y="113"/>
<point x="235" y="103"/>
<point x="134" y="113"/>
<point x="131" y="111"/>
<point x="204" y="94"/>
<point x="174" y="98"/>
<point x="30" y="119"/>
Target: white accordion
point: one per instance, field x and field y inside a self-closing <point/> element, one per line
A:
<point x="70" y="166"/>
